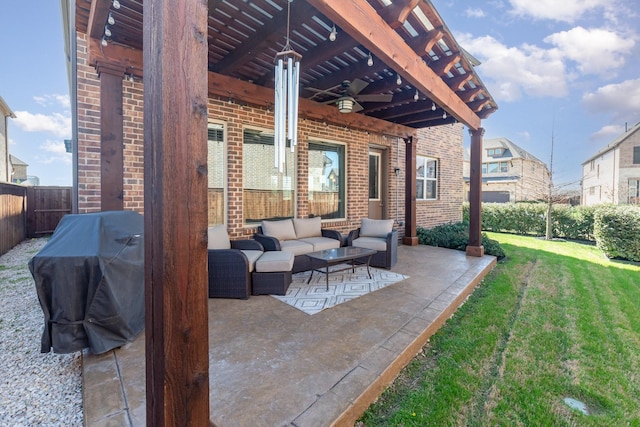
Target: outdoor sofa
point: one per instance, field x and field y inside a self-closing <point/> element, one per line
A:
<point x="299" y="236"/>
<point x="377" y="234"/>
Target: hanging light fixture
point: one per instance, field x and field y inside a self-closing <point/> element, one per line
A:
<point x="398" y="79"/>
<point x="345" y="104"/>
<point x="333" y="33"/>
<point x="370" y="60"/>
<point x="285" y="106"/>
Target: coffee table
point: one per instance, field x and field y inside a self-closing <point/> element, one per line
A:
<point x="330" y="257"/>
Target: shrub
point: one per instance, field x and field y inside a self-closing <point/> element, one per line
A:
<point x="617" y="231"/>
<point x="456" y="236"/>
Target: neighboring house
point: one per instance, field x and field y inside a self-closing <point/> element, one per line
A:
<point x="344" y="165"/>
<point x="5" y="167"/>
<point x="18" y="170"/>
<point x="509" y="173"/>
<point x="612" y="175"/>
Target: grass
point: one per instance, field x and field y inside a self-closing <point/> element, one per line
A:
<point x="553" y="320"/>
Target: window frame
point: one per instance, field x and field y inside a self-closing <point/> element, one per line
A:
<point x="342" y="175"/>
<point x="425" y="179"/>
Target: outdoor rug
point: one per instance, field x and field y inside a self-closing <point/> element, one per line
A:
<point x="343" y="286"/>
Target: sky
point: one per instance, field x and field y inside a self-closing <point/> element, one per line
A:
<point x="565" y="72"/>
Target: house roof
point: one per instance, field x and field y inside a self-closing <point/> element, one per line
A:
<point x="514" y="149"/>
<point x="16" y="161"/>
<point x="5" y="110"/>
<point x="615" y="143"/>
<point x="406" y="39"/>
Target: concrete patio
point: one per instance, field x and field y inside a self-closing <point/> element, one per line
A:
<point x="273" y="365"/>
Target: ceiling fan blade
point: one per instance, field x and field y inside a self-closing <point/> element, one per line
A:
<point x="381" y="97"/>
<point x="356" y="86"/>
<point x="356" y="107"/>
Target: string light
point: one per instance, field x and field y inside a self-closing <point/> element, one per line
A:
<point x="398" y="80"/>
<point x="333" y="33"/>
<point x="433" y="106"/>
<point x="370" y="60"/>
<point x="116" y="4"/>
<point x="107" y="31"/>
<point x="416" y="96"/>
<point x="111" y="20"/>
<point x="104" y="41"/>
<point x="444" y="115"/>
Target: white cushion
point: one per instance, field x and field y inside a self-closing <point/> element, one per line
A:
<point x="375" y="243"/>
<point x="308" y="227"/>
<point x="274" y="261"/>
<point x="297" y="247"/>
<point x="376" y="227"/>
<point x="218" y="238"/>
<point x="252" y="256"/>
<point x="322" y="243"/>
<point x="281" y="230"/>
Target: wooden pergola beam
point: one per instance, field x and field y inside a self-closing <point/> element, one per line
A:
<point x="98" y="15"/>
<point x="365" y="25"/>
<point x="396" y="13"/>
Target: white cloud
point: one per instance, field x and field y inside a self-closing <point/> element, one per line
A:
<point x="608" y="132"/>
<point x="564" y="10"/>
<point x="622" y="100"/>
<point x="56" y="123"/>
<point x="525" y="69"/>
<point x="597" y="51"/>
<point x="47" y="100"/>
<point x="52" y="152"/>
<point x="474" y="12"/>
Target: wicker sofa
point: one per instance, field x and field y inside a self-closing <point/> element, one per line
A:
<point x="299" y="236"/>
<point x="380" y="236"/>
<point x="231" y="263"/>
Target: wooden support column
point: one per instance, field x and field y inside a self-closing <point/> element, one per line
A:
<point x="175" y="212"/>
<point x="410" y="233"/>
<point x="111" y="136"/>
<point x="475" y="248"/>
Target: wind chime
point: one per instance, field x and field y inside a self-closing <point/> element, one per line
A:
<point x="287" y="77"/>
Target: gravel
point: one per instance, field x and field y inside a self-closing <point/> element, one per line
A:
<point x="38" y="389"/>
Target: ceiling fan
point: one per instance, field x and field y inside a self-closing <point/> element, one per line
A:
<point x="349" y="95"/>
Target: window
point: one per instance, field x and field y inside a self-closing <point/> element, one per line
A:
<point x="504" y="167"/>
<point x="267" y="192"/>
<point x="634" y="192"/>
<point x="216" y="173"/>
<point x="636" y="155"/>
<point x="493" y="167"/>
<point x="484" y="169"/>
<point x="426" y="178"/>
<point x="327" y="180"/>
<point x="490" y="152"/>
<point x="374" y="176"/>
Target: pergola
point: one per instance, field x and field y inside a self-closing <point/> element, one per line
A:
<point x="397" y="60"/>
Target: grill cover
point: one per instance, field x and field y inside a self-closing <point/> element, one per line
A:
<point x="90" y="282"/>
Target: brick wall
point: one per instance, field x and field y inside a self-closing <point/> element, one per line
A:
<point x="443" y="143"/>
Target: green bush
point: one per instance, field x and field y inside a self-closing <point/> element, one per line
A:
<point x="456" y="236"/>
<point x="617" y="231"/>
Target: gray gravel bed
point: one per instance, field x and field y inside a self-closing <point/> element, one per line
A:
<point x="36" y="389"/>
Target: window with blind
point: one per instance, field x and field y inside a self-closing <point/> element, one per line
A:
<point x="216" y="173"/>
<point x="268" y="194"/>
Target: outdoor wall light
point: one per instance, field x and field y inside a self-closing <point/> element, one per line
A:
<point x="396" y="170"/>
<point x="333" y="33"/>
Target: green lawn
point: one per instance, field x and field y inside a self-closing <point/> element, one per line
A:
<point x="553" y="320"/>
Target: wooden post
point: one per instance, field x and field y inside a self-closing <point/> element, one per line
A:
<point x="410" y="233"/>
<point x="111" y="136"/>
<point x="475" y="248"/>
<point x="175" y="212"/>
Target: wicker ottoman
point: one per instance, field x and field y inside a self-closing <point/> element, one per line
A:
<point x="272" y="273"/>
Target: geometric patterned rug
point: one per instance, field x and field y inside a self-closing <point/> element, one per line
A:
<point x="343" y="286"/>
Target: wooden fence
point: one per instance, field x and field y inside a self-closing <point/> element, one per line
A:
<point x="30" y="212"/>
<point x="13" y="215"/>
